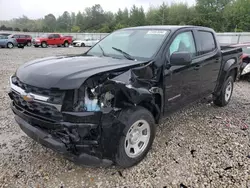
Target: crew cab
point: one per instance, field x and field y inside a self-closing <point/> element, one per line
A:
<point x="52" y="39"/>
<point x="22" y="40"/>
<point x="102" y="107"/>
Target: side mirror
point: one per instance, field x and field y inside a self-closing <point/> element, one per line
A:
<point x="180" y="58"/>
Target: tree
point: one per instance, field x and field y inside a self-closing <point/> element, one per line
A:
<point x="137" y="16"/>
<point x="221" y="15"/>
<point x="237" y="17"/>
<point x="75" y="29"/>
<point x="211" y="13"/>
<point x="64" y="22"/>
<point x="50" y="22"/>
<point x="73" y="19"/>
<point x="16" y="29"/>
<point x="3" y="27"/>
<point x="80" y="21"/>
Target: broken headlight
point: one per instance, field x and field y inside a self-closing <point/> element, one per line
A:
<point x="91" y="100"/>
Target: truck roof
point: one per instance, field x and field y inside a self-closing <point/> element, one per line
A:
<point x="168" y="27"/>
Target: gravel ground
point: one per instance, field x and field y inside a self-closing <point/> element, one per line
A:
<point x="199" y="146"/>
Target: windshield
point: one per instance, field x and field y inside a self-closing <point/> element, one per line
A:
<point x="139" y="44"/>
<point x="246" y="49"/>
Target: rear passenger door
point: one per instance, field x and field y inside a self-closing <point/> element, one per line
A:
<point x="210" y="57"/>
<point x="22" y="39"/>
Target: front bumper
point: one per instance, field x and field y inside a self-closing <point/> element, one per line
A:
<point x="87" y="153"/>
<point x="55" y="144"/>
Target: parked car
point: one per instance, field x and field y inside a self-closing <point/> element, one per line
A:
<point x="83" y="43"/>
<point x="52" y="39"/>
<point x="22" y="40"/>
<point x="6" y="42"/>
<point x="102" y="107"/>
<point x="245" y="66"/>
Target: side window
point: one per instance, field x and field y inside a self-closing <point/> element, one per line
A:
<point x="51" y="36"/>
<point x="16" y="36"/>
<point x="207" y="42"/>
<point x="183" y="42"/>
<point x="56" y="36"/>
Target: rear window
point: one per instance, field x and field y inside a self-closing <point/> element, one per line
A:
<point x="207" y="42"/>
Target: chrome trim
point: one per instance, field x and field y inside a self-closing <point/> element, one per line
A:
<point x="37" y="98"/>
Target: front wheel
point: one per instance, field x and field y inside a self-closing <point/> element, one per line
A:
<point x="82" y="45"/>
<point x="226" y="93"/>
<point x="44" y="45"/>
<point x="137" y="138"/>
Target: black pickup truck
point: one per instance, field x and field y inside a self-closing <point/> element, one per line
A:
<point x="101" y="107"/>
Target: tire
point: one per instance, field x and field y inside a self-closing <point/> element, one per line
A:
<point x="10" y="45"/>
<point x="226" y="93"/>
<point x="134" y="119"/>
<point x="44" y="45"/>
<point x="66" y="44"/>
<point x="28" y="43"/>
<point x="82" y="45"/>
<point x="36" y="46"/>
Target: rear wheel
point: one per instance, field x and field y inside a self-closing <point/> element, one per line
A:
<point x="137" y="137"/>
<point x="66" y="44"/>
<point x="28" y="43"/>
<point x="10" y="45"/>
<point x="226" y="93"/>
<point x="44" y="45"/>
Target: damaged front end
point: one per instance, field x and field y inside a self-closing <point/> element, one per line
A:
<point x="86" y="128"/>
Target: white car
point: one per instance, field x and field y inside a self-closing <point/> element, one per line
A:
<point x="83" y="43"/>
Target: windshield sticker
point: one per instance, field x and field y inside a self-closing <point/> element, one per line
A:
<point x="156" y="32"/>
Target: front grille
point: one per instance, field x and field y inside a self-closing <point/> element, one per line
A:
<point x="55" y="96"/>
<point x="40" y="109"/>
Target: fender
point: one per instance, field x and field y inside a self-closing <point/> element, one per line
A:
<point x="225" y="71"/>
<point x="229" y="65"/>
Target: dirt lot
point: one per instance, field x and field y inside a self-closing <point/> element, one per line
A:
<point x="199" y="146"/>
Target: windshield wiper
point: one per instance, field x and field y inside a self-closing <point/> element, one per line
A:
<point x="125" y="54"/>
<point x="103" y="53"/>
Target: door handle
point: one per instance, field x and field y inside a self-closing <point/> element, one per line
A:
<point x="197" y="67"/>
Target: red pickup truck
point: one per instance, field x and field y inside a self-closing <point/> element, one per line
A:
<point x="52" y="39"/>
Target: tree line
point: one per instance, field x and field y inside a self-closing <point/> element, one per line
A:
<point x="221" y="15"/>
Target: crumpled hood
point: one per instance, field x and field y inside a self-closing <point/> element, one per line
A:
<point x="67" y="72"/>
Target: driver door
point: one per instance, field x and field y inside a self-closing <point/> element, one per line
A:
<point x="181" y="82"/>
<point x="50" y="40"/>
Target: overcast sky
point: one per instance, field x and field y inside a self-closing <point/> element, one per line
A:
<point x="38" y="8"/>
